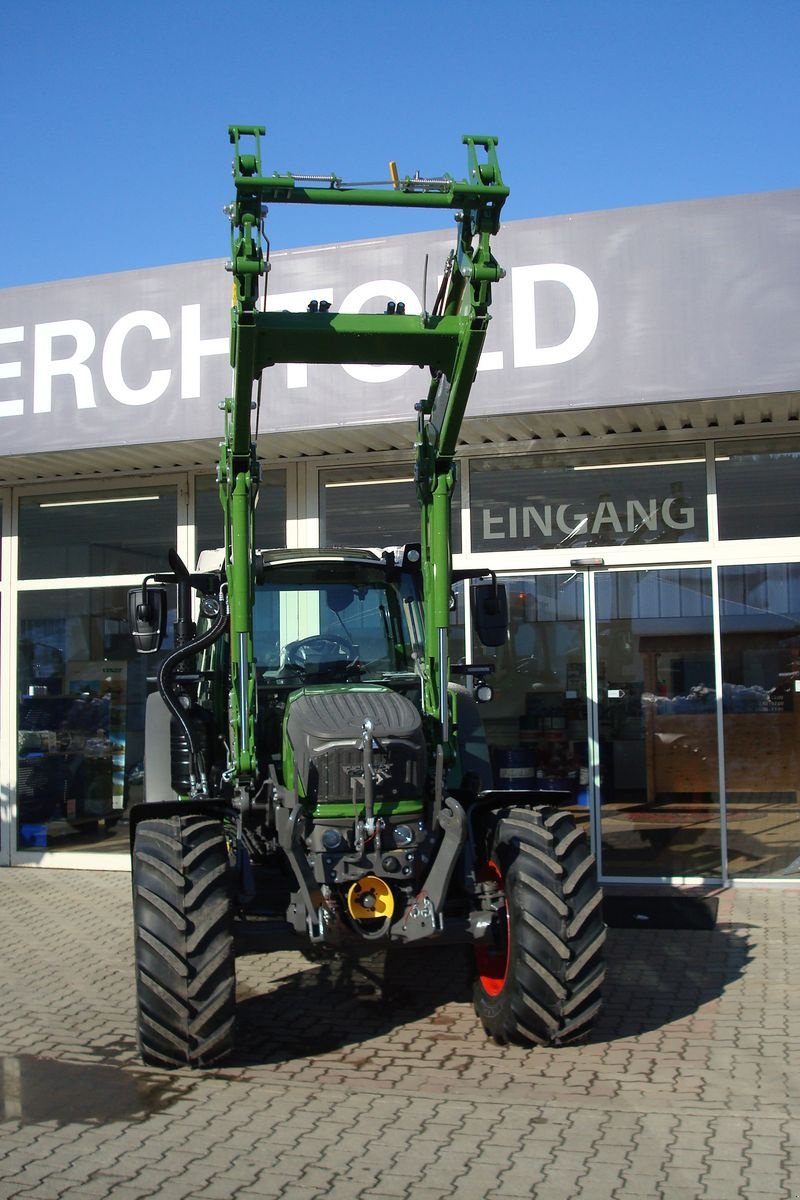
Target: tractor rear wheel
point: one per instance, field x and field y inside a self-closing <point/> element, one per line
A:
<point x="539" y="979"/>
<point x="185" y="973"/>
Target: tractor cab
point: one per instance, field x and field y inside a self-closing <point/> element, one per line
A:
<point x="333" y="617"/>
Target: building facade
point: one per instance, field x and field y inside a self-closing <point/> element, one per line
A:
<point x="629" y="467"/>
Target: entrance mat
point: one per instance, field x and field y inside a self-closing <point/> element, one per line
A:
<point x="660" y="912"/>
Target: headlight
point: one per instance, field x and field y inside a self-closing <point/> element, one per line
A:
<point x="403" y="836"/>
<point x="331" y="839"/>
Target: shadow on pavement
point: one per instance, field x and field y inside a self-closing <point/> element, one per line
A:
<point x="657" y="976"/>
<point x="660" y="912"/>
<point x="329" y="1005"/>
<point x="654" y="977"/>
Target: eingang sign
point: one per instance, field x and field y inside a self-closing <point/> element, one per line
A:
<point x="551" y="501"/>
<point x="604" y="523"/>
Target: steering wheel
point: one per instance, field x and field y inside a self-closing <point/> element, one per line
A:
<point x="321" y="650"/>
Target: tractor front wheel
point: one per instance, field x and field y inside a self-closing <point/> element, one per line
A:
<point x="185" y="973"/>
<point x="540" y="971"/>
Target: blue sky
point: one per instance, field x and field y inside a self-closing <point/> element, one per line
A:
<point x="114" y="116"/>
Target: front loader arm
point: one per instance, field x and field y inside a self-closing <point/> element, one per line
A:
<point x="448" y="340"/>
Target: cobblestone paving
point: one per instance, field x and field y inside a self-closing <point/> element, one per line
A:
<point x="687" y="1089"/>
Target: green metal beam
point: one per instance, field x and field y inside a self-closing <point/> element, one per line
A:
<point x="483" y="189"/>
<point x="379" y="339"/>
<point x="287" y="190"/>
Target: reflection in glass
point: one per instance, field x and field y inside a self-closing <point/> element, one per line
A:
<point x="94" y="533"/>
<point x="757" y="488"/>
<point x="550" y="501"/>
<point x="81" y="698"/>
<point x="657" y="724"/>
<point x="375" y="507"/>
<point x="760" y="615"/>
<point x="270" y="512"/>
<point x="536" y="723"/>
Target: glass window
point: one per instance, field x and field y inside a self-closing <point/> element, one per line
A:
<point x="536" y="722"/>
<point x="91" y="533"/>
<point x="657" y="724"/>
<point x="760" y="618"/>
<point x="456" y="636"/>
<point x="319" y="620"/>
<point x="551" y="501"/>
<point x="270" y="512"/>
<point x="757" y="488"/>
<point x="375" y="506"/>
<point x="81" y="700"/>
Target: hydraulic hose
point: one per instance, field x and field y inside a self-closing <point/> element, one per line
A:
<point x="171" y="661"/>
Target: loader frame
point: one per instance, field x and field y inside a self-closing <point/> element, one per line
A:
<point x="448" y="340"/>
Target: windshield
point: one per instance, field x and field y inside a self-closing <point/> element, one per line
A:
<point x="318" y="619"/>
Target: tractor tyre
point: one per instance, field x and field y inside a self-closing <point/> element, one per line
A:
<point x="185" y="973"/>
<point x="540" y="977"/>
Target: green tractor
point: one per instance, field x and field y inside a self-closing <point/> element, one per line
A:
<point x="309" y="736"/>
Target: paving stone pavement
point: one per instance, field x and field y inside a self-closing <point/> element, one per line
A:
<point x="688" y="1087"/>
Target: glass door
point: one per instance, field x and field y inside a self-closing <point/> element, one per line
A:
<point x="616" y="690"/>
<point x="536" y="723"/>
<point x="760" y="626"/>
<point x="654" y="724"/>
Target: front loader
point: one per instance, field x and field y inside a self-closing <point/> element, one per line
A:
<point x="309" y="739"/>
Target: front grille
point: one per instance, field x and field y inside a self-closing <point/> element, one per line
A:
<point x="331" y="771"/>
<point x="324" y="729"/>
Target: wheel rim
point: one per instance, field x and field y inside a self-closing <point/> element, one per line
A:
<point x="492" y="961"/>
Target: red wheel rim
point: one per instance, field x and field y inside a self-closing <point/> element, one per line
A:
<point x="491" y="960"/>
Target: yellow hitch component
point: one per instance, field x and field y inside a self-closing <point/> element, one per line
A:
<point x="394" y="175"/>
<point x="370" y="899"/>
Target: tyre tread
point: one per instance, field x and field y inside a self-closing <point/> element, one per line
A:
<point x="185" y="979"/>
<point x="551" y="994"/>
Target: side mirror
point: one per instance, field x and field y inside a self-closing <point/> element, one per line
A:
<point x="490" y="613"/>
<point x="147" y="618"/>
